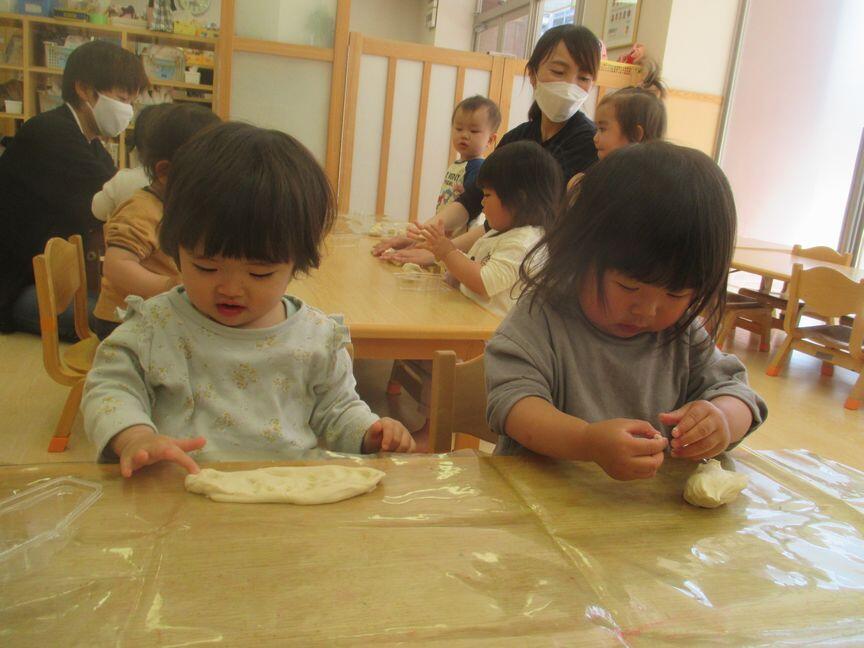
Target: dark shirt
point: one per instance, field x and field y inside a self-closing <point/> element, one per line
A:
<point x="48" y="177"/>
<point x="572" y="146"/>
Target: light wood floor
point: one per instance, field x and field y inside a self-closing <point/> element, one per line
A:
<point x="805" y="408"/>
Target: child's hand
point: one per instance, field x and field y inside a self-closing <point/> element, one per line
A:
<point x="395" y="242"/>
<point x="433" y="238"/>
<point x="388" y="435"/>
<point x="140" y="446"/>
<point x="701" y="430"/>
<point x="626" y="448"/>
<point x="413" y="255"/>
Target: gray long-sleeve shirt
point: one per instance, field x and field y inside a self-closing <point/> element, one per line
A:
<point x="592" y="375"/>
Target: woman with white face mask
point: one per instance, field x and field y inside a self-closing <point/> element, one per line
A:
<point x="562" y="69"/>
<point x="54" y="166"/>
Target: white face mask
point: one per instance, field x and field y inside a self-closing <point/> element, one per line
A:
<point x="112" y="116"/>
<point x="559" y="100"/>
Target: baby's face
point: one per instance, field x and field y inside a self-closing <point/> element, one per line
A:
<point x="240" y="293"/>
<point x="471" y="133"/>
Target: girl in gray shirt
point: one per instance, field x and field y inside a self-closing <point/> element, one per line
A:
<point x="607" y="345"/>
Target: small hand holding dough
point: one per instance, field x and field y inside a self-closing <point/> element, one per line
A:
<point x="710" y="486"/>
<point x="291" y="485"/>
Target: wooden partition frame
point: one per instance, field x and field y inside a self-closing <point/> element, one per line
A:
<point x="503" y="71"/>
<point x="394" y="51"/>
<point x="337" y="55"/>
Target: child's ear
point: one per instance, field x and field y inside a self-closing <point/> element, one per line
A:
<point x="161" y="169"/>
<point x="491" y="143"/>
<point x="640" y="133"/>
<point x="85" y="92"/>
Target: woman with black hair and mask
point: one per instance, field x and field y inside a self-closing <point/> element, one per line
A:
<point x="54" y="166"/>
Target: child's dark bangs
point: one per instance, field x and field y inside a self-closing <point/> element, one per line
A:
<point x="249" y="222"/>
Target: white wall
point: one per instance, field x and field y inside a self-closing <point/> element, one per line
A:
<point x="698" y="45"/>
<point x="455" y="24"/>
<point x="795" y="119"/>
<point x="402" y="20"/>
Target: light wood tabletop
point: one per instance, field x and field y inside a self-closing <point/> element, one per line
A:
<point x="744" y="242"/>
<point x="449" y="550"/>
<point x="386" y="320"/>
<point x="777" y="264"/>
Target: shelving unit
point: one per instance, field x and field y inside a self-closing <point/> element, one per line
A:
<point x="34" y="73"/>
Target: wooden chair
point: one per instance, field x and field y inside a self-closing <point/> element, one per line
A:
<point x="828" y="293"/>
<point x="777" y="300"/>
<point x="61" y="280"/>
<point x="457" y="402"/>
<point x="745" y="313"/>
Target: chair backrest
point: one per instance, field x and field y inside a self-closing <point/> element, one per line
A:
<point x="60" y="281"/>
<point x="823" y="253"/>
<point x="457" y="403"/>
<point x="829" y="293"/>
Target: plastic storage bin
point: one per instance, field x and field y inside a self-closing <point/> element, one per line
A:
<point x="36" y="7"/>
<point x="57" y="54"/>
<point x="37" y="522"/>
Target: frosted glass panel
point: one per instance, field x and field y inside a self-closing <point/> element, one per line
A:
<point x="300" y="22"/>
<point x="369" y="127"/>
<point x="476" y="82"/>
<point x="436" y="146"/>
<point x="520" y="101"/>
<point x="285" y="94"/>
<point x="403" y="135"/>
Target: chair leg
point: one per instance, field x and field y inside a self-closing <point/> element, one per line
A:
<point x="765" y="339"/>
<point x="827" y="369"/>
<point x="67" y="418"/>
<point x="394" y="387"/>
<point x="856" y="395"/>
<point x="779" y="357"/>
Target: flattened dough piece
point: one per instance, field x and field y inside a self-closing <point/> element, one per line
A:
<point x="710" y="486"/>
<point x="285" y="484"/>
<point x="411" y="267"/>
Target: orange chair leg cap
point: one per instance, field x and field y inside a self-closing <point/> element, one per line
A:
<point x="58" y="444"/>
<point x="852" y="403"/>
<point x="827" y="370"/>
<point x="772" y="371"/>
<point x="394" y="388"/>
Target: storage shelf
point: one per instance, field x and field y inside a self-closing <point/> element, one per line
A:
<point x="113" y="29"/>
<point x="181" y="84"/>
<point x="35" y="29"/>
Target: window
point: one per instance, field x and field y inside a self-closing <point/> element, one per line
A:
<point x="513" y="26"/>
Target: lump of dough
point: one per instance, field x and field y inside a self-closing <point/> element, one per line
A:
<point x="411" y="267"/>
<point x="285" y="484"/>
<point x="710" y="486"/>
<point x="376" y="230"/>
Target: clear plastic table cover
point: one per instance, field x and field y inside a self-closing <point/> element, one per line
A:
<point x="452" y="550"/>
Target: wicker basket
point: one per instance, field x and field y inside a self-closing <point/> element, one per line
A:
<point x="618" y="75"/>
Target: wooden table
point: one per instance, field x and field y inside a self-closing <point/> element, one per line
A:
<point x="497" y="551"/>
<point x="777" y="264"/>
<point x="743" y="242"/>
<point x="387" y="321"/>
